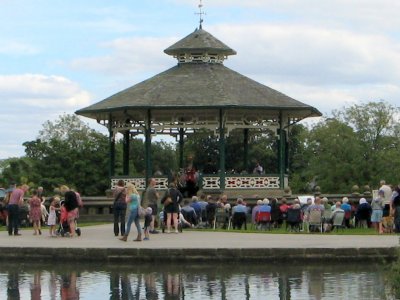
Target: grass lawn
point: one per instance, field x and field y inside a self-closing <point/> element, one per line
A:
<point x="282" y="230"/>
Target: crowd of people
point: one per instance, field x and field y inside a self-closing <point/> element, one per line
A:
<point x="171" y="211"/>
<point x="63" y="209"/>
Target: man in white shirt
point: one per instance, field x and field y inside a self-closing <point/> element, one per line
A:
<point x="387" y="194"/>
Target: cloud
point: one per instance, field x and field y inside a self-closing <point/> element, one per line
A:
<point x="41" y="91"/>
<point x="367" y="14"/>
<point x="309" y="55"/>
<point x="16" y="48"/>
<point x="129" y="56"/>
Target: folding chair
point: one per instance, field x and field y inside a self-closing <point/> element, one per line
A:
<point x="293" y="219"/>
<point x="238" y="219"/>
<point x="222" y="218"/>
<point x="338" y="220"/>
<point x="263" y="220"/>
<point x="315" y="220"/>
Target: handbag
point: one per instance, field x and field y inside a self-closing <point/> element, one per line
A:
<point x="167" y="201"/>
<point x="142" y="211"/>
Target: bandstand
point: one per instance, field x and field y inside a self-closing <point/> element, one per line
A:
<point x="200" y="93"/>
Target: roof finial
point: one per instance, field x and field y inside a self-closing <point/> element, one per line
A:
<point x="201" y="13"/>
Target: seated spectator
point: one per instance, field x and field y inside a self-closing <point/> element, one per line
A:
<point x="304" y="209"/>
<point x="189" y="213"/>
<point x="255" y="210"/>
<point x="203" y="204"/>
<point x="210" y="211"/>
<point x="294" y="216"/>
<point x="317" y="205"/>
<point x="222" y="201"/>
<point x="337" y="210"/>
<point x="325" y="203"/>
<point x="239" y="212"/>
<point x="196" y="206"/>
<point x="347" y="211"/>
<point x="363" y="213"/>
<point x="265" y="206"/>
<point x="184" y="223"/>
<point x="276" y="216"/>
<point x="283" y="207"/>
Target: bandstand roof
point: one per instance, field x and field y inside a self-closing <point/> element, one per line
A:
<point x="199" y="81"/>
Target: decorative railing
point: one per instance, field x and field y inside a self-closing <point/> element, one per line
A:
<point x="140" y="182"/>
<point x="259" y="182"/>
<point x="212" y="182"/>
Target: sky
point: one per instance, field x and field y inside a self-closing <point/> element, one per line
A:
<point x="59" y="56"/>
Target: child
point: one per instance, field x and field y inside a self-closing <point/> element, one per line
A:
<point x="147" y="221"/>
<point x="51" y="221"/>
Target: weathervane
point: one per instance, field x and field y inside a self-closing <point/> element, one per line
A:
<point x="201" y="13"/>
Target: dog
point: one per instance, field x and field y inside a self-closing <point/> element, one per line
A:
<point x="387" y="224"/>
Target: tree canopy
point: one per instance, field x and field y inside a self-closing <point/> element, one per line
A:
<point x="359" y="144"/>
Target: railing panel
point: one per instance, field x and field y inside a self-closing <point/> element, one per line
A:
<point x="140" y="182"/>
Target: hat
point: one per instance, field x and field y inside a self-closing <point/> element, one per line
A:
<point x="363" y="200"/>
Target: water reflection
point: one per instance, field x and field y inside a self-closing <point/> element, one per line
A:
<point x="153" y="282"/>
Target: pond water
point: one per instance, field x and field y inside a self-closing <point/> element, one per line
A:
<point x="206" y="281"/>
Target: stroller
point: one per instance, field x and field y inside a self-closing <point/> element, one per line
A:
<point x="64" y="228"/>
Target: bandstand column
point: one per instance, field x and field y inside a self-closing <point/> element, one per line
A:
<point x="282" y="151"/>
<point x="148" y="146"/>
<point x="221" y="150"/>
<point x="111" y="141"/>
<point x="245" y="149"/>
<point x="126" y="153"/>
<point x="181" y="145"/>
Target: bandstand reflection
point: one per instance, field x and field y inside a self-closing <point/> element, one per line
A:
<point x="194" y="282"/>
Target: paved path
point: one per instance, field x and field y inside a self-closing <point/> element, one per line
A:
<point x="99" y="245"/>
<point x="102" y="237"/>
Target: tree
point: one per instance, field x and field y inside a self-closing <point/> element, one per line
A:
<point x="68" y="152"/>
<point x="375" y="125"/>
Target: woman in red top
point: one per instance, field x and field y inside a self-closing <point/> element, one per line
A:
<point x="35" y="212"/>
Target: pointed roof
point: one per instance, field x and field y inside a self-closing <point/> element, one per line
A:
<point x="199" y="41"/>
<point x="199" y="84"/>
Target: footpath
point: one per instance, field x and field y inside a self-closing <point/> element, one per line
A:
<point x="98" y="244"/>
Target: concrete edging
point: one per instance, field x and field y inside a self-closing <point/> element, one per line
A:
<point x="123" y="255"/>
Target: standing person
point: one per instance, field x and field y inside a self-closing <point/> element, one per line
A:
<point x="258" y="169"/>
<point x="44" y="212"/>
<point x="35" y="212"/>
<point x="119" y="208"/>
<point x="395" y="203"/>
<point x="377" y="212"/>
<point x="151" y="200"/>
<point x="387" y="194"/>
<point x="71" y="205"/>
<point x="16" y="200"/>
<point x="171" y="201"/>
<point x="133" y="200"/>
<point x="147" y="221"/>
<point x="52" y="219"/>
<point x="191" y="178"/>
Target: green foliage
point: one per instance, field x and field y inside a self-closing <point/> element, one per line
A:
<point x="359" y="145"/>
<point x="67" y="152"/>
<point x="204" y="147"/>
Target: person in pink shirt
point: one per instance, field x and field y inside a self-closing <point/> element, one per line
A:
<point x="35" y="212"/>
<point x="16" y="200"/>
